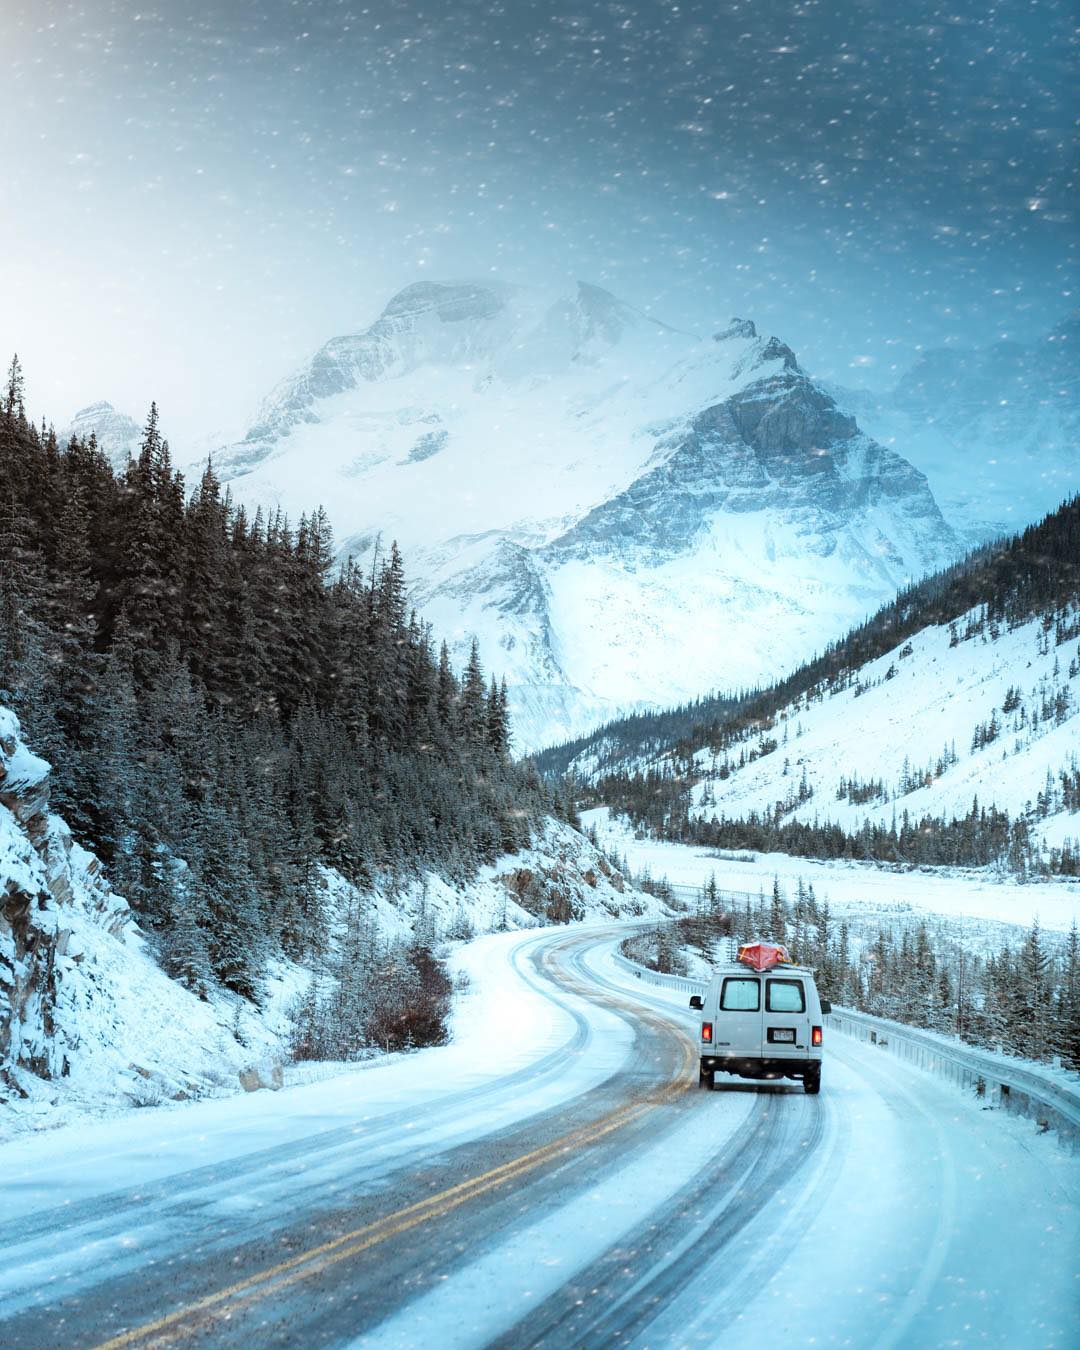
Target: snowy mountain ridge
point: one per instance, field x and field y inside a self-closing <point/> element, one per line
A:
<point x="623" y="513"/>
<point x="499" y="329"/>
<point x="944" y="732"/>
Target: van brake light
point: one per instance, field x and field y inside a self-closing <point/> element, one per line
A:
<point x="815" y="1036"/>
<point x="706" y="1031"/>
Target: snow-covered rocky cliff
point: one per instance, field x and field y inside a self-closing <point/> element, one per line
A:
<point x="87" y="1017"/>
<point x="624" y="513"/>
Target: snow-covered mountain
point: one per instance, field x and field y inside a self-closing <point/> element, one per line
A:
<point x="624" y="513"/>
<point x="995" y="429"/>
<point x="119" y="435"/>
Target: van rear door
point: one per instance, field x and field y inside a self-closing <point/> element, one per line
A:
<point x="738" y="1016"/>
<point x="786" y="1018"/>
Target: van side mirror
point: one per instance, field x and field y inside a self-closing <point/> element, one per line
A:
<point x="826" y="1007"/>
<point x="695" y="1001"/>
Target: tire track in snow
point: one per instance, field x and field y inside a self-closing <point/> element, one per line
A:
<point x="186" y="1240"/>
<point x="171" y="1191"/>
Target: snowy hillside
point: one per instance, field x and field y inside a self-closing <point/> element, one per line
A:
<point x="942" y="719"/>
<point x="91" y="1020"/>
<point x="995" y="429"/>
<point x="624" y="513"/>
<point x="943" y="731"/>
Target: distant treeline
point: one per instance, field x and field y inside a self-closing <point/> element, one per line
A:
<point x="659" y="805"/>
<point x="226" y="713"/>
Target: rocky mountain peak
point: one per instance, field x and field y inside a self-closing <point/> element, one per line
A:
<point x="602" y="315"/>
<point x="118" y="434"/>
<point x="737" y="328"/>
<point x="789" y="413"/>
<point x="775" y="350"/>
<point x="448" y="302"/>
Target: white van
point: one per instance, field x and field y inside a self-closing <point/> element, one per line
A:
<point x="767" y="1024"/>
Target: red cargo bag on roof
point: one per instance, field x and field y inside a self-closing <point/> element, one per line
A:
<point x="764" y="955"/>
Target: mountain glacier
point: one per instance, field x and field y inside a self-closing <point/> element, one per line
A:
<point x="624" y="513"/>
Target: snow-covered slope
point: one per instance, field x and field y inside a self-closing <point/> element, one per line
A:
<point x="936" y="722"/>
<point x="88" y="1016"/>
<point x="118" y="434"/>
<point x="995" y="429"/>
<point x="88" y="1019"/>
<point x="624" y="513"/>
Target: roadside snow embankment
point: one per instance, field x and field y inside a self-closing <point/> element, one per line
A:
<point x="514" y="1051"/>
<point x="93" y="1025"/>
<point x="89" y="1017"/>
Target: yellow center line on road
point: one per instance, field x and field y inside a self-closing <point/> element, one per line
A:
<point x="226" y="1302"/>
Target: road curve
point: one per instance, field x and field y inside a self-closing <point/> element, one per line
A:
<point x="592" y="1195"/>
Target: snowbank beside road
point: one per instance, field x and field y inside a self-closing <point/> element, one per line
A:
<point x="504" y="1023"/>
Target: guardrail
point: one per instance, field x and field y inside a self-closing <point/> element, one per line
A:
<point x="1006" y="1084"/>
<point x="1003" y="1083"/>
<point x="683" y="891"/>
<point x="648" y="976"/>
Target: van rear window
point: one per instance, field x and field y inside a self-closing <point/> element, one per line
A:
<point x="785" y="996"/>
<point x="740" y="995"/>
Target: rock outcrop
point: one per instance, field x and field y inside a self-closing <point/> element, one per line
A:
<point x="44" y="877"/>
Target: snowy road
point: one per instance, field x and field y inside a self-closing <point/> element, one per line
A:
<point x="554" y="1177"/>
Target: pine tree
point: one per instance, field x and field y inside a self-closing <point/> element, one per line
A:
<point x="497" y="722"/>
<point x="75" y="665"/>
<point x="446" y="696"/>
<point x="205" y="570"/>
<point x="150" y="589"/>
<point x="1031" y="1029"/>
<point x="472" y="705"/>
<point x="15" y="391"/>
<point x="1067" y="1020"/>
<point x="777" y="916"/>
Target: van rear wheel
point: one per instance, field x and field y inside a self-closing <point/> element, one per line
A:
<point x="812" y="1081"/>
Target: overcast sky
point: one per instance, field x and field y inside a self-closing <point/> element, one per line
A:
<point x="196" y="194"/>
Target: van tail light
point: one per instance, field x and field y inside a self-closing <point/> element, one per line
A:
<point x="706" y="1032"/>
<point x="815" y="1036"/>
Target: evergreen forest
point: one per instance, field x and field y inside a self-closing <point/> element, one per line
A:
<point x="228" y="712"/>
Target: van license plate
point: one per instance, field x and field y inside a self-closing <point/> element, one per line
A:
<point x="782" y="1034"/>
